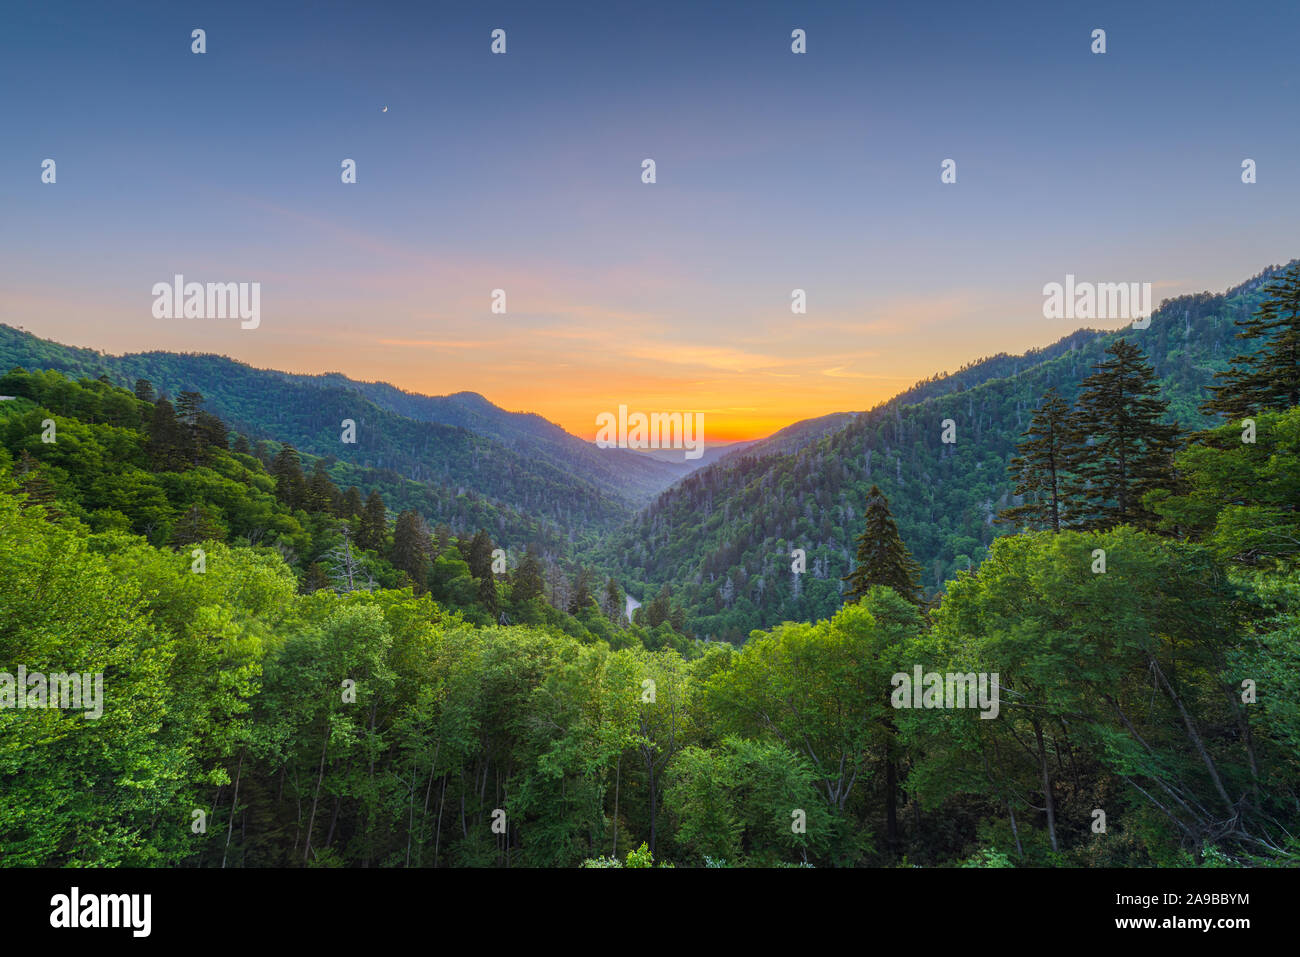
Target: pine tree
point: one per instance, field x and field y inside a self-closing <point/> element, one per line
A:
<point x="441" y="538"/>
<point x="314" y="579"/>
<point x="373" y="529"/>
<point x="528" y="581"/>
<point x="660" y="609"/>
<point x="411" y="547"/>
<point x="188" y="403"/>
<point x="197" y="524"/>
<point x="144" y="390"/>
<point x="1039" y="469"/>
<point x="289" y="482"/>
<point x="581" y="597"/>
<point x="320" y="495"/>
<point x="166" y="445"/>
<point x="210" y="433"/>
<point x="883" y="559"/>
<point x="613" y="605"/>
<point x="189" y="406"/>
<point x="1132" y="450"/>
<point x="35" y="486"/>
<point x="479" y="555"/>
<point x="350" y="506"/>
<point x="487" y="593"/>
<point x="1268" y="379"/>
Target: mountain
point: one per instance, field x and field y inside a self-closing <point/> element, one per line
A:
<point x="713" y="451"/>
<point x="542" y="481"/>
<point x="721" y="530"/>
<point x="628" y="475"/>
<point x="722" y="538"/>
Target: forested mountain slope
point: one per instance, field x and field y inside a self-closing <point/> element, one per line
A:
<point x="722" y="538"/>
<point x="449" y="460"/>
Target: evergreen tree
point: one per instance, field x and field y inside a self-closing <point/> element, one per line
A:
<point x="487" y="593"/>
<point x="660" y="609"/>
<point x="580" y="597"/>
<point x="166" y="445"/>
<point x="35" y="486"/>
<point x="411" y="547"/>
<point x="1268" y="379"/>
<point x="289" y="482"/>
<point x="350" y="506"/>
<point x="373" y="529"/>
<point x="188" y="404"/>
<point x="613" y="605"/>
<point x="1132" y="450"/>
<point x="1039" y="469"/>
<point x="441" y="538"/>
<point x="479" y="555"/>
<point x="528" y="581"/>
<point x="241" y="445"/>
<point x="320" y="496"/>
<point x="314" y="579"/>
<point x="882" y="557"/>
<point x="144" y="390"/>
<point x="197" y="524"/>
<point x="210" y="433"/>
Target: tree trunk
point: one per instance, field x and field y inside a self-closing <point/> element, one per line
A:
<point x="1049" y="800"/>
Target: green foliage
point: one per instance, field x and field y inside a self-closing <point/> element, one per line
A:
<point x="331" y="690"/>
<point x="722" y="536"/>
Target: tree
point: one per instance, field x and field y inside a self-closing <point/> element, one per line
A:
<point x="1132" y="450"/>
<point x="144" y="390"/>
<point x="210" y="433"/>
<point x="660" y="608"/>
<point x="479" y="555"/>
<point x="314" y="579"/>
<point x="882" y="557"/>
<point x="166" y="445"/>
<point x="287" y="472"/>
<point x="487" y="594"/>
<point x="1268" y="379"/>
<point x="411" y="547"/>
<point x="1039" y="468"/>
<point x="580" y="597"/>
<point x="348" y="571"/>
<point x="528" y="581"/>
<point x="35" y="486"/>
<point x="320" y="495"/>
<point x="373" y="529"/>
<point x="613" y="605"/>
<point x="197" y="524"/>
<point x="350" y="506"/>
<point x="189" y="406"/>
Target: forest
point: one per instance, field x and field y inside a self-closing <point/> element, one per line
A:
<point x="722" y="538"/>
<point x="301" y="670"/>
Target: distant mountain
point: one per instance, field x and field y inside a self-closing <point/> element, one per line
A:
<point x="713" y="451"/>
<point x="722" y="538"/>
<point x="520" y="462"/>
<point x="627" y="474"/>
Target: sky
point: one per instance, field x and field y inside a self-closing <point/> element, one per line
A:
<point x="775" y="171"/>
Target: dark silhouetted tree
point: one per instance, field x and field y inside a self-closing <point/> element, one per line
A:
<point x="882" y="557"/>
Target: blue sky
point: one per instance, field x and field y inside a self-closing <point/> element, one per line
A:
<point x="775" y="171"/>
